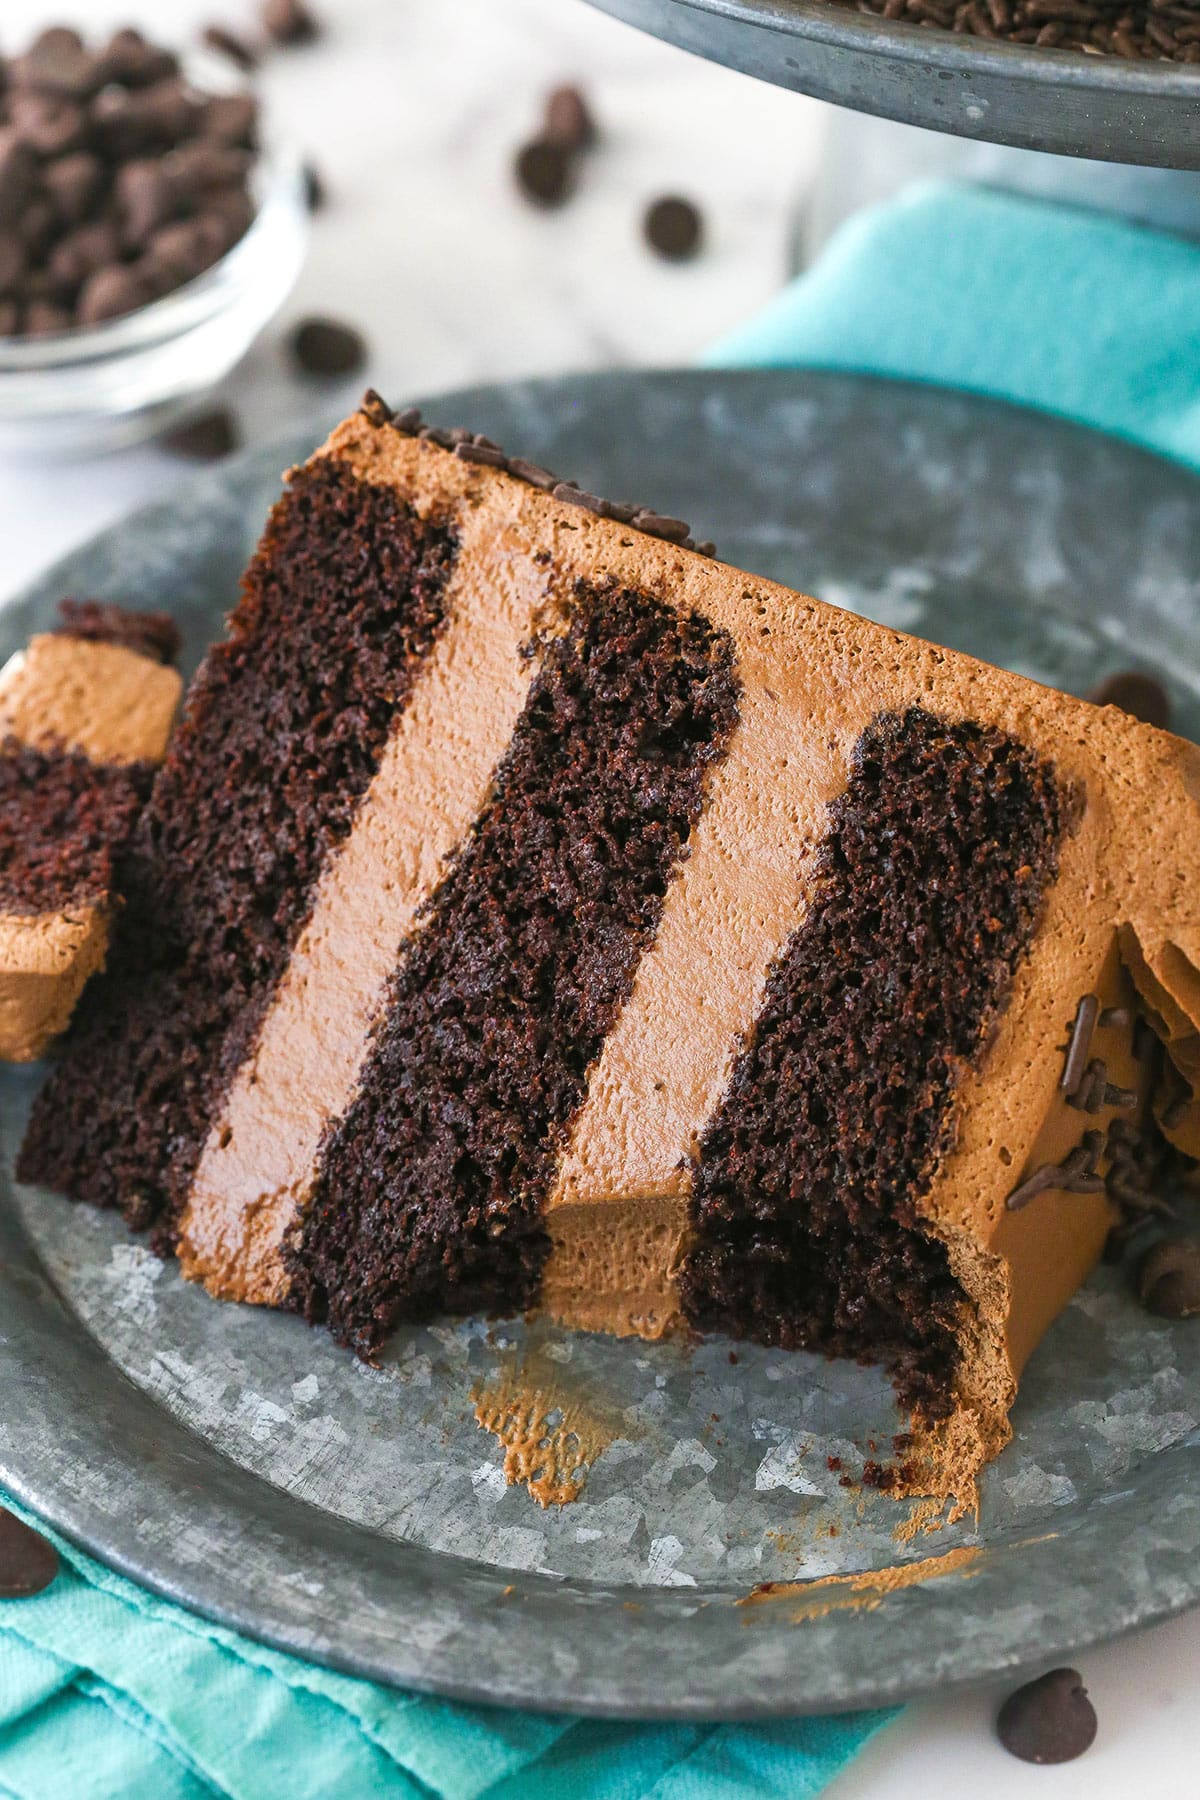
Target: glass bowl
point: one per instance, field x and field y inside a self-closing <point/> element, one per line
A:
<point x="94" y="388"/>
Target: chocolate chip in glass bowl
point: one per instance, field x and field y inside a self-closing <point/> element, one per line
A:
<point x="230" y="119"/>
<point x="18" y="174"/>
<point x="111" y="292"/>
<point x="57" y="62"/>
<point x="74" y="184"/>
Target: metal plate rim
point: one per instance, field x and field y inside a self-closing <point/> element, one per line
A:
<point x="824" y="22"/>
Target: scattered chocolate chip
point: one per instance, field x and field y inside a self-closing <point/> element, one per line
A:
<point x="1135" y="692"/>
<point x="1050" y="1720"/>
<point x="28" y="1561"/>
<point x="326" y="347"/>
<point x="229" y="45"/>
<point x="673" y="228"/>
<point x="544" y="172"/>
<point x="314" y="188"/>
<point x="289" y="22"/>
<point x="204" y="438"/>
<point x="1168" y="1279"/>
<point x="568" y="119"/>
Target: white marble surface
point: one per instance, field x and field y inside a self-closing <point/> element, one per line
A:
<point x="411" y="108"/>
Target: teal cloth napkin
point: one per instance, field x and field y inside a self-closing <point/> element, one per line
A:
<point x="107" y="1693"/>
<point x="1071" y="311"/>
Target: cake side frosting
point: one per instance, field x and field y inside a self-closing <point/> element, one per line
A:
<point x="83" y="722"/>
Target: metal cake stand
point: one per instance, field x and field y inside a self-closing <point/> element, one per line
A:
<point x="1061" y="101"/>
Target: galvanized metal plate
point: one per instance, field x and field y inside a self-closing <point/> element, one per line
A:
<point x="1037" y="99"/>
<point x="241" y="1463"/>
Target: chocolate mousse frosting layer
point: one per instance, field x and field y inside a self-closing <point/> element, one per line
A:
<point x="361" y="1150"/>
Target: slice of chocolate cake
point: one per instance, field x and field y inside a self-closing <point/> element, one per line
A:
<point x="85" y="715"/>
<point x="535" y="913"/>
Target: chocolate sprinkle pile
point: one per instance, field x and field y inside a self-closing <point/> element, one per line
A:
<point x="1137" y="30"/>
<point x="474" y="447"/>
<point x="119" y="181"/>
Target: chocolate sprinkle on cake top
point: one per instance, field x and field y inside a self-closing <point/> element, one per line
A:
<point x="473" y="447"/>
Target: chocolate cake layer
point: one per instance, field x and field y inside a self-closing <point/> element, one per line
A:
<point x="63" y="819"/>
<point x="283" y="730"/>
<point x="808" y="1181"/>
<point x="430" y="1190"/>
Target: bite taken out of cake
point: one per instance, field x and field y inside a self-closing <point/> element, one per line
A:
<point x="535" y="914"/>
<point x="85" y="716"/>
